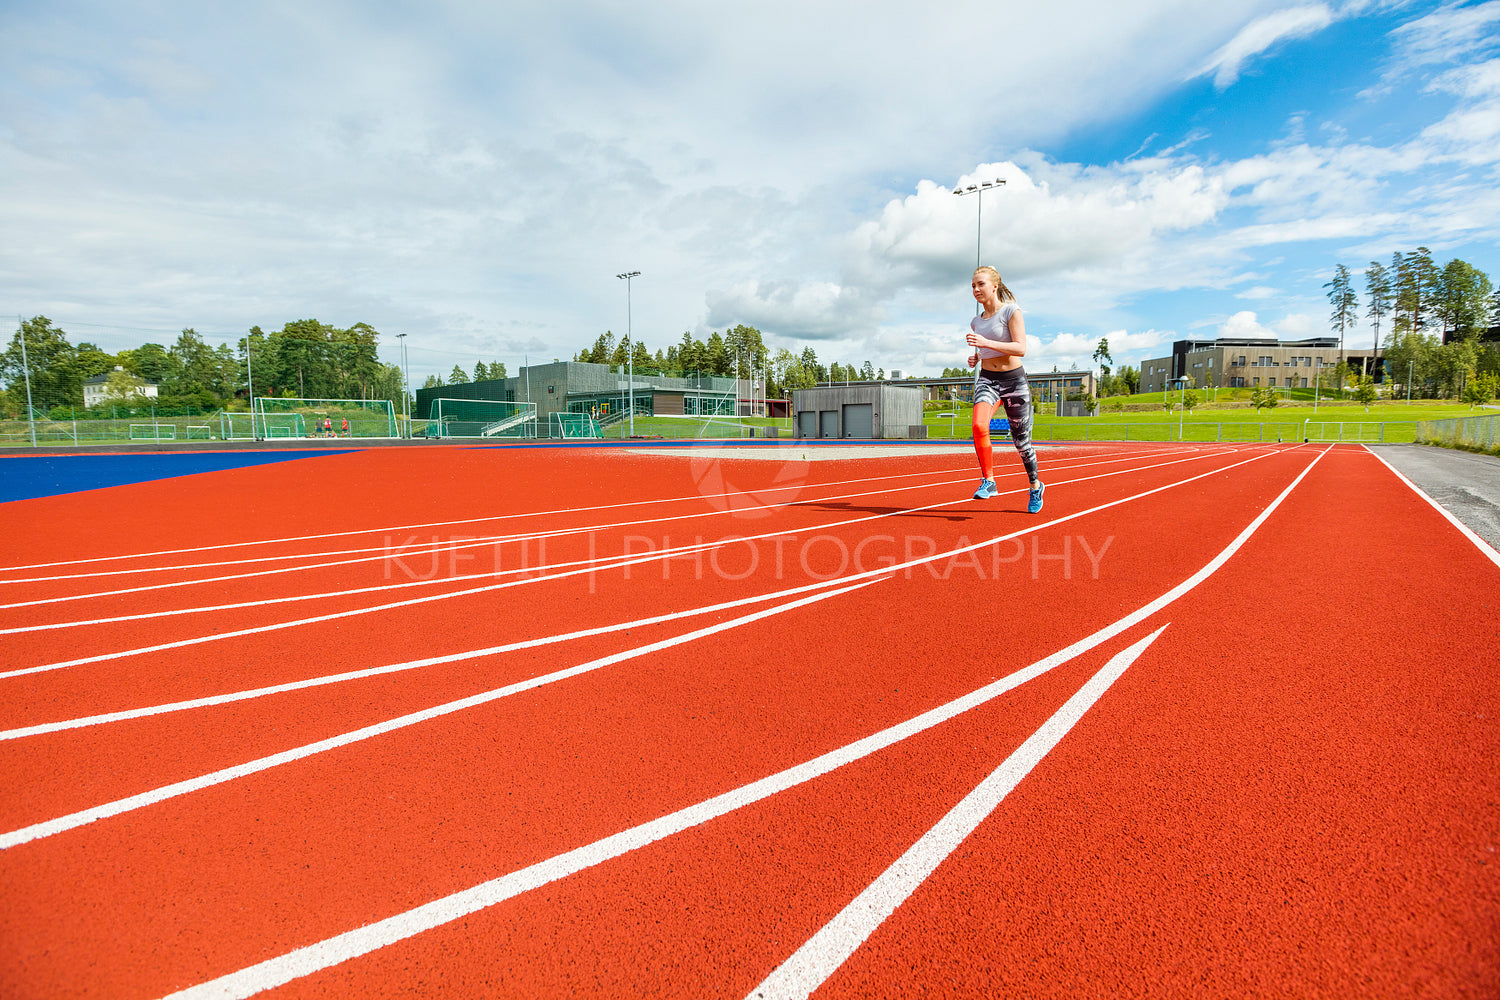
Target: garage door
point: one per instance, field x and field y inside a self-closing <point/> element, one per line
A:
<point x="859" y="420"/>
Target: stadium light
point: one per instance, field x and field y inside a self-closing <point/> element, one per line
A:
<point x="26" y="367"/>
<point x="978" y="189"/>
<point x="405" y="385"/>
<point x="629" y="351"/>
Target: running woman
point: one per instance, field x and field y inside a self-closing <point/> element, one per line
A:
<point x="998" y="336"/>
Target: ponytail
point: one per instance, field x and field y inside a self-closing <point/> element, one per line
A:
<point x="1004" y="294"/>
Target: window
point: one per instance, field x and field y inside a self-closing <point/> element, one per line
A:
<point x="1304" y="383"/>
<point x="1257" y="381"/>
<point x="1271" y="382"/>
<point x="1241" y="361"/>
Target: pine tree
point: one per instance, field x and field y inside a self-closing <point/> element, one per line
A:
<point x="1345" y="304"/>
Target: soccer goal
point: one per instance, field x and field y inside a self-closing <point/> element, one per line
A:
<point x="153" y="432"/>
<point x="257" y="426"/>
<point x="573" y="425"/>
<point x="481" y="418"/>
<point x="324" y="418"/>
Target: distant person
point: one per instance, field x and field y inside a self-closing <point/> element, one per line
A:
<point x="344" y="431"/>
<point x="328" y="427"/>
<point x="998" y="336"/>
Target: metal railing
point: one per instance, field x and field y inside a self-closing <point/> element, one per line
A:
<point x="1464" y="432"/>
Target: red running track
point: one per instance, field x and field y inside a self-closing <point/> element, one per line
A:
<point x="473" y="722"/>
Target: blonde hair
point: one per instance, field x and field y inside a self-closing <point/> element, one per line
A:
<point x="1004" y="293"/>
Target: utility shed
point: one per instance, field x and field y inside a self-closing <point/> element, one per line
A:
<point x="873" y="410"/>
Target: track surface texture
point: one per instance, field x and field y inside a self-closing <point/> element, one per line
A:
<point x="1219" y="722"/>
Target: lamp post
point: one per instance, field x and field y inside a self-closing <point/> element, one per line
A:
<point x="979" y="190"/>
<point x="250" y="383"/>
<point x="1181" y="406"/>
<point x="26" y="367"/>
<point x="405" y="385"/>
<point x="630" y="350"/>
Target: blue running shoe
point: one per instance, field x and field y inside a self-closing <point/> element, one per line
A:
<point x="1035" y="504"/>
<point x="986" y="490"/>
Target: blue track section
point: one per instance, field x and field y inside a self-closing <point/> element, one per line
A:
<point x="25" y="477"/>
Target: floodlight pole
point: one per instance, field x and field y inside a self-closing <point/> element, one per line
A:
<point x="405" y="385"/>
<point x="630" y="350"/>
<point x="978" y="189"/>
<point x="250" y="387"/>
<point x="26" y="367"/>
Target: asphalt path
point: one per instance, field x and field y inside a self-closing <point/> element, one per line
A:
<point x="1465" y="483"/>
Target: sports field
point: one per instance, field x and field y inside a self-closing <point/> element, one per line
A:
<point x="750" y="722"/>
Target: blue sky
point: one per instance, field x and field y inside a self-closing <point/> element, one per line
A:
<point x="475" y="175"/>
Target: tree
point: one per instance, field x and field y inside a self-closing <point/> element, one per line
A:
<point x="120" y="386"/>
<point x="433" y="382"/>
<point x="1103" y="360"/>
<point x="1414" y="286"/>
<point x="1408" y="359"/>
<point x="1345" y="303"/>
<point x="457" y="376"/>
<point x="1130" y="377"/>
<point x="51" y="362"/>
<point x="747" y="349"/>
<point x="191" y="367"/>
<point x="150" y="361"/>
<point x="1462" y="300"/>
<point x="1479" y="390"/>
<point x="809" y="361"/>
<point x="1365" y="391"/>
<point x="716" y="357"/>
<point x="89" y="361"/>
<point x="1263" y="397"/>
<point x="1191" y="400"/>
<point x="1378" y="286"/>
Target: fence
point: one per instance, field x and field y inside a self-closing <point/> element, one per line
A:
<point x="133" y="427"/>
<point x="1322" y="431"/>
<point x="1462" y="432"/>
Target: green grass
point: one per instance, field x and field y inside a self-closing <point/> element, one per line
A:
<point x="1143" y="417"/>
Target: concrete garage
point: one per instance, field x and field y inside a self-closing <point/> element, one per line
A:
<point x="857" y="411"/>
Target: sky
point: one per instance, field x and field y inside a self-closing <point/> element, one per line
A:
<point x="476" y="175"/>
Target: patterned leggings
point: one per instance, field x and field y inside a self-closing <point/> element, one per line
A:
<point x="1011" y="391"/>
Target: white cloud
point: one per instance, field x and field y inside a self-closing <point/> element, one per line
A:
<point x="477" y="174"/>
<point x="1244" y="324"/>
<point x="1293" y="326"/>
<point x="1261" y="34"/>
<point x="1450" y="33"/>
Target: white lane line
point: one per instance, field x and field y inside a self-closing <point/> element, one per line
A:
<point x="343" y="947"/>
<point x="496" y="517"/>
<point x="414" y="549"/>
<point x="452" y="545"/>
<point x="439" y="524"/>
<point x="84" y="817"/>
<point x="403" y="552"/>
<point x="1485" y="548"/>
<point x="811" y="965"/>
<point x="595" y="566"/>
<point x="354" y="675"/>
